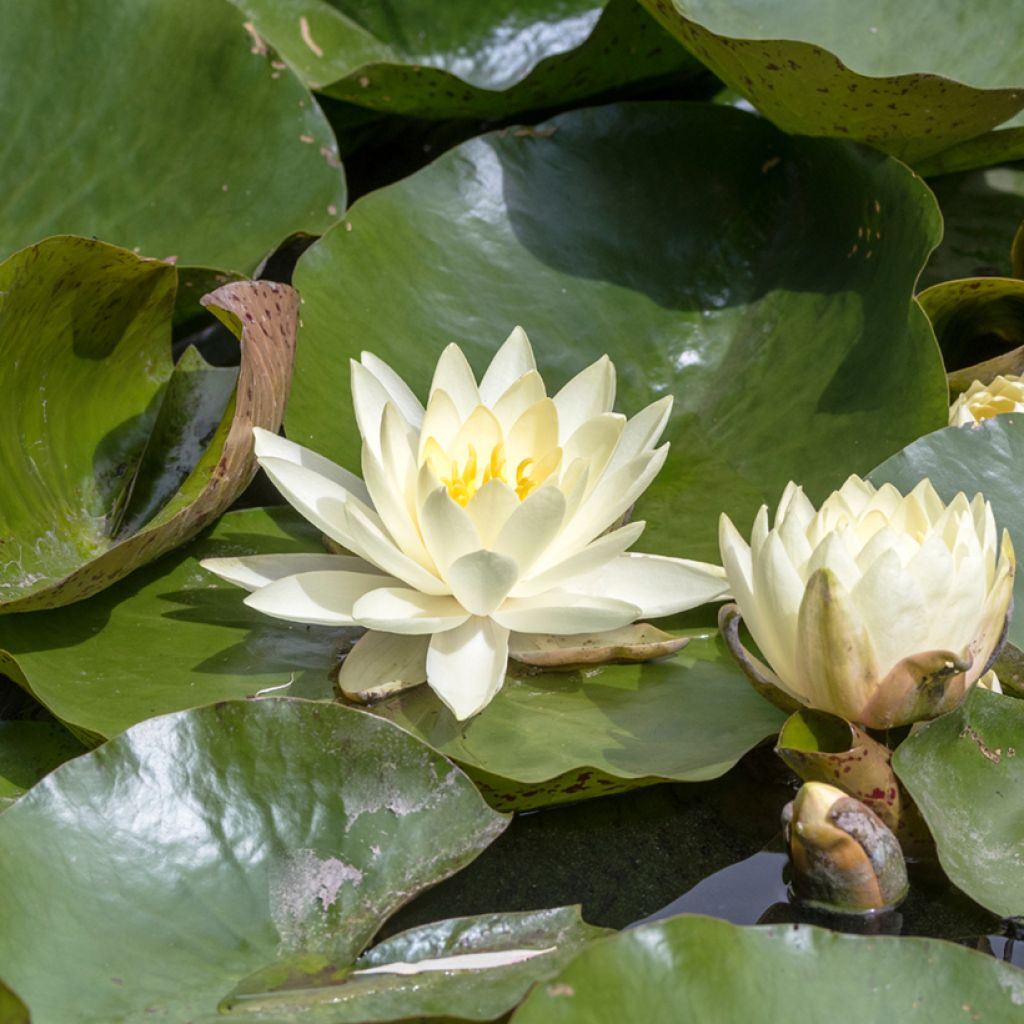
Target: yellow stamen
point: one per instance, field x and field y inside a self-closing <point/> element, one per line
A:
<point x="523" y="482"/>
<point x="463" y="485"/>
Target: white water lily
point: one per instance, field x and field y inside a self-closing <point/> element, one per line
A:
<point x="881" y="608"/>
<point x="983" y="401"/>
<point x="494" y="510"/>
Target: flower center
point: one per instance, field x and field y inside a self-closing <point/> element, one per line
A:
<point x="464" y="482"/>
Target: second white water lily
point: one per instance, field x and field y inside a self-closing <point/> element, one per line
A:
<point x="495" y="510"/>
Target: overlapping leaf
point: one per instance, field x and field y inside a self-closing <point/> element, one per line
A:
<point x="111" y="455"/>
<point x="157" y="125"/>
<point x="164" y="867"/>
<point x="461" y="59"/>
<point x="763" y="281"/>
<point x="911" y="80"/>
<point x="719" y="973"/>
<point x="28" y="751"/>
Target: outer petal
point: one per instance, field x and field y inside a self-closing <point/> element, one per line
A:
<point x="381" y="664"/>
<point x="641" y="433"/>
<point x="448" y="529"/>
<point x="369" y="397"/>
<point x="490" y="508"/>
<point x="398" y="391"/>
<point x="510" y="362"/>
<point x="829" y="623"/>
<point x="466" y="665"/>
<point x="655" y="584"/>
<point x="563" y="612"/>
<point x="389" y="499"/>
<point x="590" y="393"/>
<point x="401" y="610"/>
<point x="320" y="598"/>
<point x="255" y="571"/>
<point x="271" y="446"/>
<point x="531" y="528"/>
<point x="454" y="375"/>
<point x="481" y="580"/>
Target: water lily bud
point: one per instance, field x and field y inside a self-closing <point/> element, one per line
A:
<point x="982" y="401"/>
<point x="880" y="608"/>
<point x="842" y="855"/>
<point x="491" y="514"/>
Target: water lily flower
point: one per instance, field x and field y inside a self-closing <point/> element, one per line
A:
<point x="880" y="608"/>
<point x="982" y="401"/>
<point x="494" y="510"/>
<point x="843" y="856"/>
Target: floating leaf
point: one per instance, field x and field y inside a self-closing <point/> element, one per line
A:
<point x="718" y="973"/>
<point x="966" y="773"/>
<point x="165" y="131"/>
<point x="114" y="456"/>
<point x="206" y="843"/>
<point x="315" y="991"/>
<point x="464" y="60"/>
<point x="783" y="268"/>
<point x="985" y="458"/>
<point x="28" y="751"/>
<point x="912" y="82"/>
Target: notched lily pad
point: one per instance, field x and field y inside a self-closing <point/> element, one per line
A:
<point x="966" y="773"/>
<point x="638" y="642"/>
<point x="465" y="60"/>
<point x="112" y="455"/>
<point x="279" y="828"/>
<point x="470" y="968"/>
<point x="912" y="82"/>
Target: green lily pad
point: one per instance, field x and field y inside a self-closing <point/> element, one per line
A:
<point x="209" y="842"/>
<point x="719" y="973"/>
<point x="546" y="738"/>
<point x="912" y="82"/>
<point x="985" y="458"/>
<point x="114" y="455"/>
<point x="313" y="990"/>
<point x="784" y="267"/>
<point x="995" y="147"/>
<point x="981" y="211"/>
<point x="12" y="1009"/>
<point x="28" y="751"/>
<point x="466" y="60"/>
<point x="965" y="771"/>
<point x="165" y="131"/>
<point x="979" y="324"/>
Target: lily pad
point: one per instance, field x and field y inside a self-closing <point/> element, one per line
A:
<point x="439" y="971"/>
<point x="985" y="458"/>
<point x="274" y="829"/>
<point x="719" y="973"/>
<point x="580" y="231"/>
<point x="965" y="771"/>
<point x="28" y="751"/>
<point x="168" y="132"/>
<point x="112" y="454"/>
<point x="466" y="60"/>
<point x="911" y="81"/>
<point x="12" y="1009"/>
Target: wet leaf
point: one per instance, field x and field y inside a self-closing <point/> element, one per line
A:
<point x="28" y="751"/>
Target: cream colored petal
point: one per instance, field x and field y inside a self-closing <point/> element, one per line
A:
<point x="381" y="664"/>
<point x="410" y="612"/>
<point x="656" y="584"/>
<point x="255" y="571"/>
<point x="271" y="446"/>
<point x="837" y="669"/>
<point x="531" y="528"/>
<point x="778" y="590"/>
<point x="398" y="391"/>
<point x="369" y="540"/>
<point x="590" y="393"/>
<point x="453" y="375"/>
<point x="759" y="531"/>
<point x="595" y="441"/>
<point x="319" y="499"/>
<point x="526" y="391"/>
<point x="641" y="433"/>
<point x="832" y="554"/>
<point x="736" y="558"/>
<point x="466" y="666"/>
<point x="398" y="457"/>
<point x="369" y="396"/>
<point x="448" y="530"/>
<point x="441" y="422"/>
<point x="481" y="580"/>
<point x="389" y="499"/>
<point x="320" y="598"/>
<point x="490" y="508"/>
<point x="533" y="435"/>
<point x="510" y="362"/>
<point x="794" y="540"/>
<point x="480" y="431"/>
<point x="565" y="613"/>
<point x="554" y="572"/>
